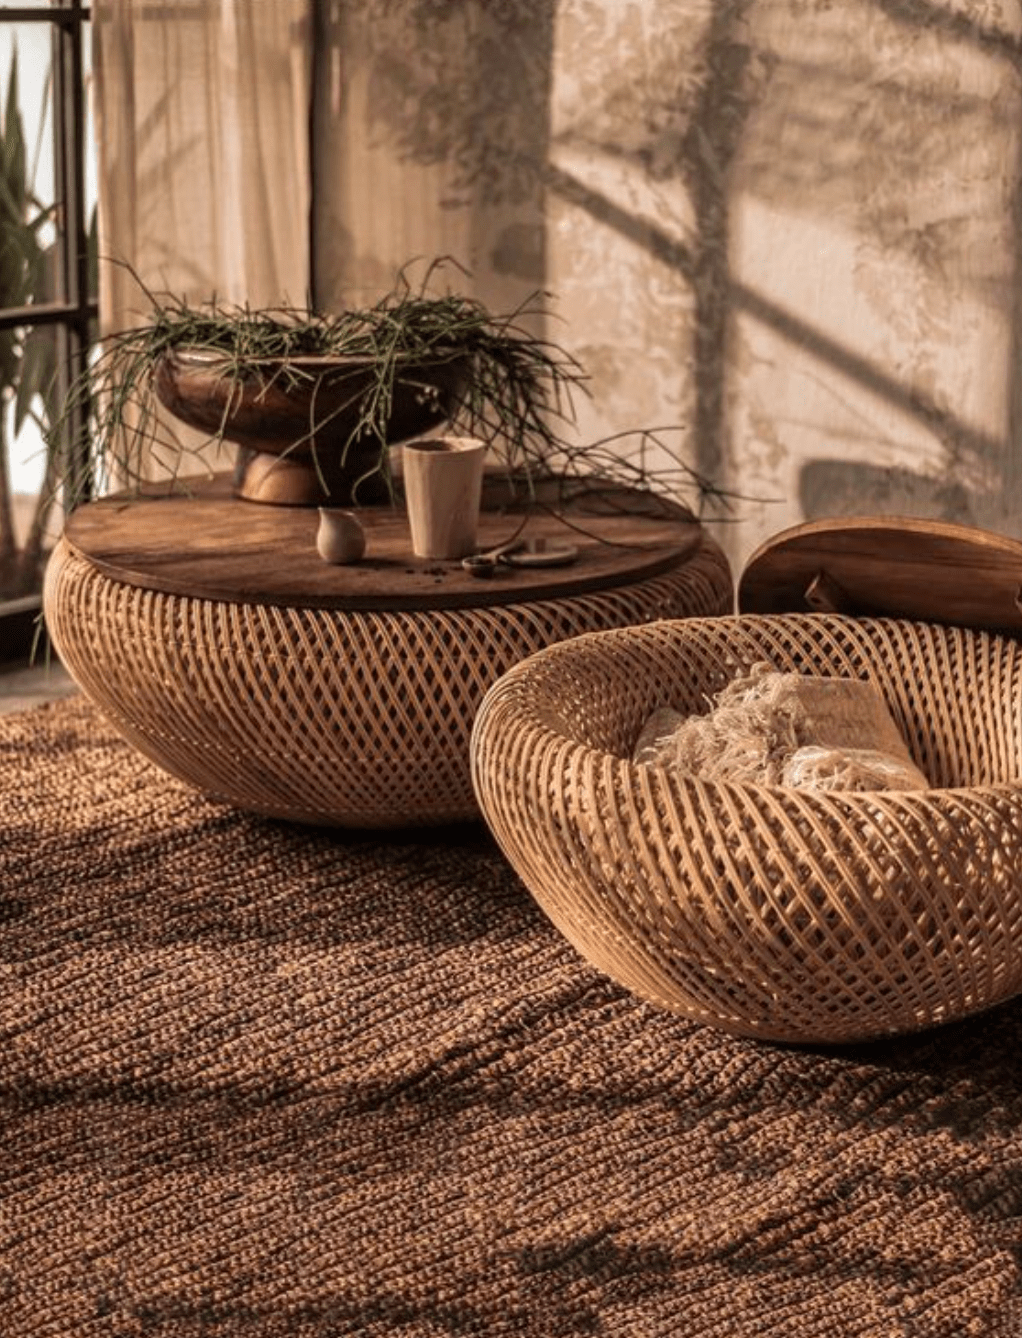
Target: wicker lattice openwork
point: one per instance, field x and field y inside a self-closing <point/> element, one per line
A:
<point x="320" y="715"/>
<point x="779" y="913"/>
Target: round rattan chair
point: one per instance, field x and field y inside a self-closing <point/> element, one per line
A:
<point x="784" y="914"/>
<point x="320" y="715"/>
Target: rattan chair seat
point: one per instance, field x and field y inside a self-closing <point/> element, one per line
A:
<point x="785" y="914"/>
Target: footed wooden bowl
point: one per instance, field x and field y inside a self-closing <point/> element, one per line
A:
<point x="295" y="420"/>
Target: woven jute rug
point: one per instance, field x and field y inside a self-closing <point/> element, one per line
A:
<point x="268" y="1080"/>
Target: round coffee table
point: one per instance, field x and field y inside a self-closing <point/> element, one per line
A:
<point x="213" y="636"/>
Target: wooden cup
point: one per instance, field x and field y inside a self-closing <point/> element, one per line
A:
<point x="443" y="478"/>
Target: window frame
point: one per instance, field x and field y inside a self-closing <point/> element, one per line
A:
<point x="76" y="314"/>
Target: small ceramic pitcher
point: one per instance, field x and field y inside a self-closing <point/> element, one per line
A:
<point x="340" y="538"/>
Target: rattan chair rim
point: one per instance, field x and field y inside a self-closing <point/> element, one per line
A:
<point x="841" y="803"/>
<point x="530" y="682"/>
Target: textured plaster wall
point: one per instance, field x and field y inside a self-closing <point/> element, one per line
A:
<point x="785" y="229"/>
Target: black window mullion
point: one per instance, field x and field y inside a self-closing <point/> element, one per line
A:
<point x="74" y="313"/>
<point x="45" y="313"/>
<point x="69" y="147"/>
<point x="66" y="15"/>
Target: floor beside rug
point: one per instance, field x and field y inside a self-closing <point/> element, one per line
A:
<point x="26" y="685"/>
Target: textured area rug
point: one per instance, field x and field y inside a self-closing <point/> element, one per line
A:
<point x="266" y="1080"/>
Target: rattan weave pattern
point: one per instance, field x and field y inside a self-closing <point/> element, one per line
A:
<point x="786" y="914"/>
<point x="318" y="715"/>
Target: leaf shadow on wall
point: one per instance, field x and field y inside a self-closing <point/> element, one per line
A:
<point x="977" y="471"/>
<point x="826" y="130"/>
<point x="460" y="85"/>
<point x="849" y="488"/>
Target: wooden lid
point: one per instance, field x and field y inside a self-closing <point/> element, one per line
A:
<point x="210" y="545"/>
<point x="894" y="566"/>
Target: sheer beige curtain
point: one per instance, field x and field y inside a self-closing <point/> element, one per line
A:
<point x="202" y="118"/>
<point x="430" y="141"/>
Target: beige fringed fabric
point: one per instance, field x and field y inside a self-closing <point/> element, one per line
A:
<point x="771" y="728"/>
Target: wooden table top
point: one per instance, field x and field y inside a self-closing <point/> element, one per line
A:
<point x="895" y="566"/>
<point x="208" y="544"/>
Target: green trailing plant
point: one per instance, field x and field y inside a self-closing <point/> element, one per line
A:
<point x="518" y="393"/>
<point x="518" y="386"/>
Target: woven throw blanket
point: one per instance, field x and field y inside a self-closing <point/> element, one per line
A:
<point x="268" y="1080"/>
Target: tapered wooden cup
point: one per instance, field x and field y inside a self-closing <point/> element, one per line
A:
<point x="443" y="478"/>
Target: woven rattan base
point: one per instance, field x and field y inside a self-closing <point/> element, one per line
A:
<point x="321" y="715"/>
<point x="781" y="913"/>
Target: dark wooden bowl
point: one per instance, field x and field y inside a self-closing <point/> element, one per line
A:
<point x="295" y="420"/>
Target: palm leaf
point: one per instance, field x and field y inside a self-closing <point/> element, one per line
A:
<point x="13" y="152"/>
<point x="36" y="373"/>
